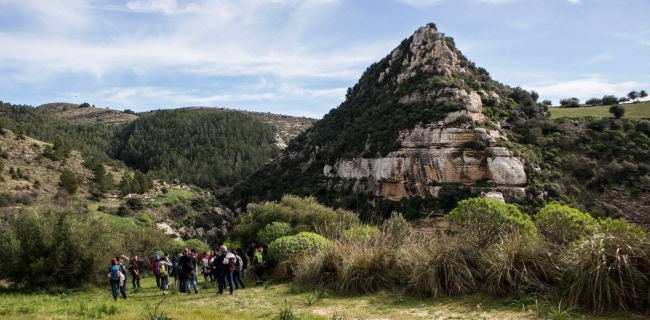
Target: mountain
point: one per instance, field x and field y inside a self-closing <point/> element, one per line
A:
<point x="423" y="128"/>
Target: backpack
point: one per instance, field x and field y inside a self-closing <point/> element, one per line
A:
<point x="240" y="264"/>
<point x="163" y="270"/>
<point x="229" y="261"/>
<point x="154" y="267"/>
<point x="115" y="273"/>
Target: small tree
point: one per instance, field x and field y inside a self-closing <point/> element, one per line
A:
<point x="643" y="94"/>
<point x="623" y="99"/>
<point x="633" y="95"/>
<point x="68" y="181"/>
<point x="594" y="102"/>
<point x="617" y="110"/>
<point x="84" y="105"/>
<point x="570" y="103"/>
<point x="609" y="100"/>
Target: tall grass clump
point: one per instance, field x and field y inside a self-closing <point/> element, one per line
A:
<point x="518" y="267"/>
<point x="348" y="268"/>
<point x="437" y="268"/>
<point x="561" y="224"/>
<point x="609" y="269"/>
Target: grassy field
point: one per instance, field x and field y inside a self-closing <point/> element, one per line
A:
<point x="266" y="302"/>
<point x="632" y="110"/>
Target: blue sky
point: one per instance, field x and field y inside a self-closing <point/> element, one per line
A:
<point x="297" y="57"/>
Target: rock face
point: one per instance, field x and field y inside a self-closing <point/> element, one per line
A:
<point x="433" y="155"/>
<point x="452" y="150"/>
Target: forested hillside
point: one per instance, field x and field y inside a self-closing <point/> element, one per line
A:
<point x="210" y="148"/>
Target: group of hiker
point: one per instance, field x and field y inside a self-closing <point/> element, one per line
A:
<point x="223" y="266"/>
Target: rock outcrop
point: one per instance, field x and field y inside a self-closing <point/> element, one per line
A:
<point x="432" y="155"/>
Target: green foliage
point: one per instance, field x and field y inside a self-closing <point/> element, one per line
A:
<point x="197" y="245"/>
<point x="146" y="220"/>
<point x="288" y="247"/>
<point x="362" y="233"/>
<point x="274" y="231"/>
<point x="396" y="228"/>
<point x="208" y="148"/>
<point x="60" y="247"/>
<point x="68" y="181"/>
<point x="481" y="222"/>
<point x="303" y="214"/>
<point x="562" y="224"/>
<point x="608" y="270"/>
<point x="617" y="111"/>
<point x="570" y="103"/>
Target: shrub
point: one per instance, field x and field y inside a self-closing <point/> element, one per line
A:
<point x="361" y="233"/>
<point x="198" y="245"/>
<point x="562" y="224"/>
<point x="274" y="231"/>
<point x="123" y="211"/>
<point x="61" y="247"/>
<point x="146" y="220"/>
<point x="135" y="204"/>
<point x="304" y="214"/>
<point x="291" y="246"/>
<point x="396" y="228"/>
<point x="608" y="269"/>
<point x="68" y="181"/>
<point x="480" y="222"/>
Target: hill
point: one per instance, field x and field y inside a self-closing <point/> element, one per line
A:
<point x="424" y="128"/>
<point x="639" y="110"/>
<point x="28" y="179"/>
<point x="422" y="123"/>
<point x="79" y="115"/>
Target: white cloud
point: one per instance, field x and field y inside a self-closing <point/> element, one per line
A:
<point x="164" y="6"/>
<point x="574" y="1"/>
<point x="420" y="4"/>
<point x="589" y="87"/>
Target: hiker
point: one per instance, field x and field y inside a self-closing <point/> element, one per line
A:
<point x="244" y="259"/>
<point x="238" y="270"/>
<point x="135" y="272"/>
<point x="214" y="266"/>
<point x="227" y="261"/>
<point x="187" y="263"/>
<point x="258" y="260"/>
<point x="205" y="265"/>
<point x="124" y="283"/>
<point x="115" y="276"/>
<point x="164" y="267"/>
<point x="179" y="269"/>
<point x="154" y="269"/>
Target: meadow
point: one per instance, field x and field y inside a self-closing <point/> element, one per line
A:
<point x="267" y="302"/>
<point x="639" y="110"/>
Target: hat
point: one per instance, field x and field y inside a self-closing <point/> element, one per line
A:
<point x="223" y="248"/>
<point x="156" y="256"/>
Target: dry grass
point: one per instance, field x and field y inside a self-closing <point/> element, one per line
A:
<point x="632" y="110"/>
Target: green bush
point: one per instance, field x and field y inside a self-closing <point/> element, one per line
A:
<point x="562" y="224"/>
<point x="302" y="214"/>
<point x="198" y="245"/>
<point x="68" y="181"/>
<point x="60" y="247"/>
<point x="480" y="222"/>
<point x="362" y="233"/>
<point x="146" y="220"/>
<point x="291" y="246"/>
<point x="397" y="228"/>
<point x="609" y="269"/>
<point x="274" y="231"/>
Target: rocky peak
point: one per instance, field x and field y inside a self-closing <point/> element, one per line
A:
<point x="428" y="51"/>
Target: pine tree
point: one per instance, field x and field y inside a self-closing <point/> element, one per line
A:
<point x="68" y="181"/>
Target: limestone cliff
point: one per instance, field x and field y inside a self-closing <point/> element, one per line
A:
<point x="436" y="153"/>
<point x="423" y="121"/>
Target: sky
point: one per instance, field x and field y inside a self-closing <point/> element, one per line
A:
<point x="298" y="57"/>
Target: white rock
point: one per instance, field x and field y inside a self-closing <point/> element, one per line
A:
<point x="494" y="195"/>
